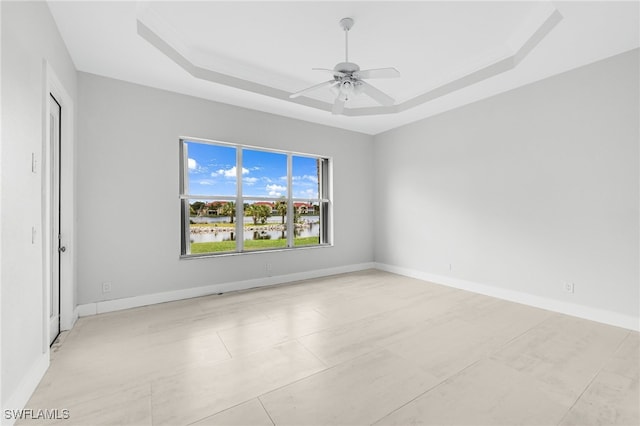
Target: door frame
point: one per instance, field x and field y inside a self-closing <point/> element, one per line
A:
<point x="68" y="313"/>
<point x="53" y="173"/>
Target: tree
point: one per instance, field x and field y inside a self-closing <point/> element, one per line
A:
<point x="281" y="207"/>
<point x="265" y="212"/>
<point x="252" y="210"/>
<point x="229" y="209"/>
<point x="258" y="212"/>
<point x="195" y="208"/>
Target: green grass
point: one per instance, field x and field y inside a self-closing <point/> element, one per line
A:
<point x="213" y="225"/>
<point x="230" y="246"/>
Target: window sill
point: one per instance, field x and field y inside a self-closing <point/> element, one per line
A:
<point x="250" y="252"/>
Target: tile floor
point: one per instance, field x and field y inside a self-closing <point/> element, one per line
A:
<point x="356" y="349"/>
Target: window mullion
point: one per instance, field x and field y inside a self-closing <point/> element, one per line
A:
<point x="321" y="195"/>
<point x="239" y="203"/>
<point x="184" y="168"/>
<point x="186" y="230"/>
<point x="290" y="213"/>
<point x="184" y="204"/>
<point x="325" y="203"/>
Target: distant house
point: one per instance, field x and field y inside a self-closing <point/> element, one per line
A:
<point x="215" y="207"/>
<point x="302" y="208"/>
<point x="272" y="206"/>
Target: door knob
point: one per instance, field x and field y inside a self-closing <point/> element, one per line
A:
<point x="62" y="249"/>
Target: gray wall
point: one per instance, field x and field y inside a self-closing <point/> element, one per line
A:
<point x="29" y="36"/>
<point x="127" y="190"/>
<point x="522" y="191"/>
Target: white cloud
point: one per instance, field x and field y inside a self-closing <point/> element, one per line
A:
<point x="275" y="187"/>
<point x="275" y="190"/>
<point x="229" y="173"/>
<point x="307" y="193"/>
<point x="309" y="178"/>
<point x="192" y="164"/>
<point x="250" y="180"/>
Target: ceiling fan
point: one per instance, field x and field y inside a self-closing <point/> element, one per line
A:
<point x="348" y="78"/>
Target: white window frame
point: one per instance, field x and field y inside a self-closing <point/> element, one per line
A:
<point x="325" y="203"/>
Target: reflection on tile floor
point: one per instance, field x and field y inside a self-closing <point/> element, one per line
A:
<point x="354" y="349"/>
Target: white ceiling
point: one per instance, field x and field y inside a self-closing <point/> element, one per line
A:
<point x="253" y="54"/>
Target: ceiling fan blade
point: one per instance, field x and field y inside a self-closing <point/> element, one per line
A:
<point x="378" y="73"/>
<point x="338" y="73"/>
<point x="338" y="106"/>
<point x="376" y="94"/>
<point x="312" y="88"/>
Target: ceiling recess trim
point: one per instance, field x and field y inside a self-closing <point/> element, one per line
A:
<point x="160" y="35"/>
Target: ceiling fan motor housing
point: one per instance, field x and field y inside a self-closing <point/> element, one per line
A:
<point x="346" y="67"/>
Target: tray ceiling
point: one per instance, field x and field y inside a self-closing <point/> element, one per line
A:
<point x="254" y="54"/>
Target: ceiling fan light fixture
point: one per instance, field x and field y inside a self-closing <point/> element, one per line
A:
<point x="350" y="79"/>
<point x="346" y="87"/>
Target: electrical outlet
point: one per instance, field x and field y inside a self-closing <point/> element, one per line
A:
<point x="568" y="287"/>
<point x="106" y="287"/>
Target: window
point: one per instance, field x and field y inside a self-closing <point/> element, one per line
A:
<point x="237" y="199"/>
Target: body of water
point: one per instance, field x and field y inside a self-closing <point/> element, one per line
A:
<point x="311" y="229"/>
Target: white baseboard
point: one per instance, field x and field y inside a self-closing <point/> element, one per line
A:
<point x="572" y="309"/>
<point x="580" y="311"/>
<point x="74" y="317"/>
<point x="68" y="324"/>
<point x="170" y="296"/>
<point x="18" y="400"/>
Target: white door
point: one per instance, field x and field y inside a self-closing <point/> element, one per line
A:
<point x="56" y="248"/>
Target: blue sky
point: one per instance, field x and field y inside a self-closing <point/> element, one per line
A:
<point x="212" y="171"/>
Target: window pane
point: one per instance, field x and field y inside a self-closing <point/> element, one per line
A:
<point x="264" y="174"/>
<point x="211" y="226"/>
<point x="212" y="169"/>
<point x="265" y="225"/>
<point x="306" y="221"/>
<point x="305" y="177"/>
<point x="210" y="187"/>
